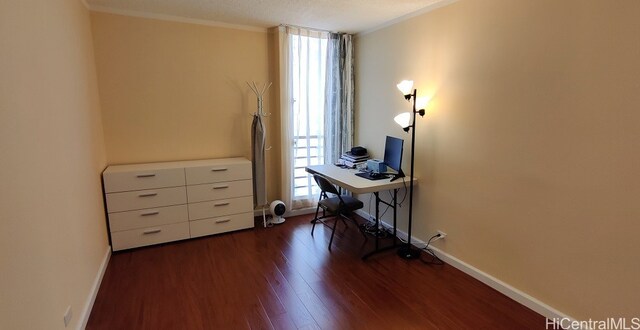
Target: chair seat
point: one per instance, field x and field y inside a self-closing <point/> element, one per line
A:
<point x="339" y="206"/>
<point x="333" y="204"/>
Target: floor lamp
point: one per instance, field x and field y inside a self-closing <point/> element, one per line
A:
<point x="408" y="121"/>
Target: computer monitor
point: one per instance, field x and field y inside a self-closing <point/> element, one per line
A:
<point x="393" y="155"/>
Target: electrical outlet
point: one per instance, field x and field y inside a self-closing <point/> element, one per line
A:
<point x="67" y="316"/>
<point x="442" y="235"/>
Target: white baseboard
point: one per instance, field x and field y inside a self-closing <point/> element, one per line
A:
<point x="88" y="306"/>
<point x="293" y="213"/>
<point x="502" y="287"/>
<point x="258" y="212"/>
<point x="297" y="212"/>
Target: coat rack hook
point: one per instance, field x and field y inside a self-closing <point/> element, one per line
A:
<point x="259" y="95"/>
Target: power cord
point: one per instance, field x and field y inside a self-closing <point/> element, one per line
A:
<point x="369" y="227"/>
<point x="383" y="212"/>
<point x="404" y="183"/>
<point x="434" y="258"/>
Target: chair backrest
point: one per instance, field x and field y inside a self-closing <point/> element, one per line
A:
<point x="325" y="185"/>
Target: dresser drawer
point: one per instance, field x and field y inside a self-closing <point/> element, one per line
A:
<point x="218" y="173"/>
<point x="220" y="190"/>
<point x="115" y="181"/>
<point x="144" y="199"/>
<point x="218" y="208"/>
<point x="150" y="235"/>
<point x="221" y="224"/>
<point x="120" y="221"/>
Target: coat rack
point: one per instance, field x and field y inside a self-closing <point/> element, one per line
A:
<point x="260" y="112"/>
<point x="259" y="93"/>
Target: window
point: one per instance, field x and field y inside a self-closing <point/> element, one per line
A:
<point x="316" y="89"/>
<point x="308" y="71"/>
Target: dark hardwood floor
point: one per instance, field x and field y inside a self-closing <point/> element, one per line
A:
<point x="283" y="278"/>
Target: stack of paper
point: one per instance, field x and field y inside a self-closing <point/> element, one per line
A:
<point x="353" y="161"/>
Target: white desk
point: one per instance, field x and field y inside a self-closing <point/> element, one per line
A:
<point x="347" y="179"/>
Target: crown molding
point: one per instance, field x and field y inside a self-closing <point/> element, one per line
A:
<point x="172" y="18"/>
<point x="424" y="10"/>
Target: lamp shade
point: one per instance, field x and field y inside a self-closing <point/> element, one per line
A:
<point x="403" y="119"/>
<point x="421" y="102"/>
<point x="405" y="86"/>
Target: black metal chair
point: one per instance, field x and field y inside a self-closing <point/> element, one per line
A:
<point x="338" y="207"/>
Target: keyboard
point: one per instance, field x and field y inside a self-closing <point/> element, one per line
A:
<point x="373" y="176"/>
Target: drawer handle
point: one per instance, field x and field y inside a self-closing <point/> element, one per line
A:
<point x="221" y="204"/>
<point x="221" y="187"/>
<point x="220" y="169"/>
<point x="146" y="175"/>
<point x="148" y="195"/>
<point x="223" y="220"/>
<point x="149" y="213"/>
<point x="152" y="231"/>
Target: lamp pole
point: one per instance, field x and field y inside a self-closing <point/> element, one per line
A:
<point x="407" y="251"/>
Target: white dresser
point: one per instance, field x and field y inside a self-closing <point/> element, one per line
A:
<point x="163" y="202"/>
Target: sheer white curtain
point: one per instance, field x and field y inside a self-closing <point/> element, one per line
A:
<point x="316" y="95"/>
<point x="303" y="58"/>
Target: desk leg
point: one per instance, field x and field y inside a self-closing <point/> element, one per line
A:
<point x="395" y="218"/>
<point x="377" y="217"/>
<point x="393" y="205"/>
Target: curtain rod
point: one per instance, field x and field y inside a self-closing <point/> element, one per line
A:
<point x="308" y="28"/>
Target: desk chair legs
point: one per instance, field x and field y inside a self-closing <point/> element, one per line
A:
<point x="338" y="206"/>
<point x="337" y="217"/>
<point x="323" y="195"/>
<point x="316" y="219"/>
<point x="333" y="232"/>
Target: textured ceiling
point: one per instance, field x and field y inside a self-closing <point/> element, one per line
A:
<point x="335" y="15"/>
